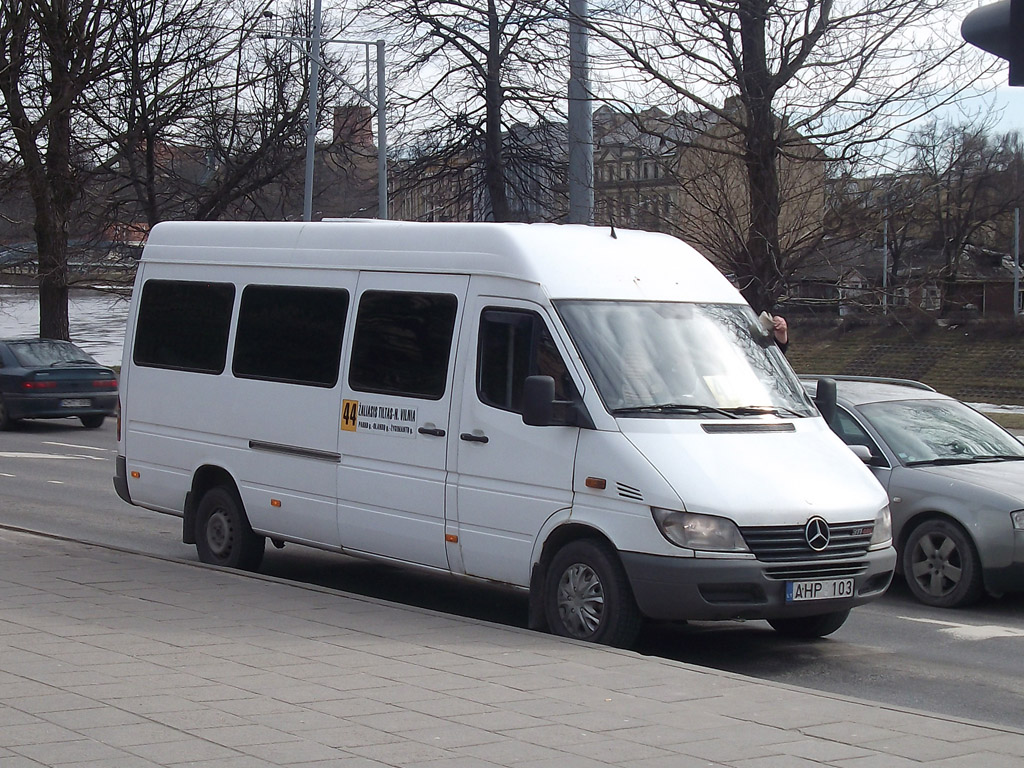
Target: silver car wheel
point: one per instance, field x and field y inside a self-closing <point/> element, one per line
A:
<point x="941" y="564"/>
<point x="580" y="600"/>
<point x="937" y="564"/>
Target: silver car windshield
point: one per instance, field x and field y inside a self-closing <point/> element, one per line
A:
<point x="671" y="360"/>
<point x="940" y="432"/>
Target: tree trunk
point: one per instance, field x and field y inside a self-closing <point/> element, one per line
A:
<point x="494" y="156"/>
<point x="763" y="284"/>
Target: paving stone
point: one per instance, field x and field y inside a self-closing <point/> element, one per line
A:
<point x="105" y="665"/>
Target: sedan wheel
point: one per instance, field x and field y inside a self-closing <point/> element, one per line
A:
<point x="941" y="565"/>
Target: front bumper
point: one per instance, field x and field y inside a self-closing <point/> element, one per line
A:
<point x="676" y="588"/>
<point x="1009" y="578"/>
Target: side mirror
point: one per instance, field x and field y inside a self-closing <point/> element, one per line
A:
<point x="538" y="401"/>
<point x="825" y="399"/>
<point x="862" y="452"/>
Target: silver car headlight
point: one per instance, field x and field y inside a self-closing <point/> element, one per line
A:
<point x="705" y="532"/>
<point x="881" y="537"/>
<point x="1018" y="519"/>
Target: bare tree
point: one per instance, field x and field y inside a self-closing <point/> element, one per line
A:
<point x="838" y="77"/>
<point x="51" y="53"/>
<point x="212" y="135"/>
<point x="481" y="106"/>
<point x="120" y="113"/>
<point x="968" y="184"/>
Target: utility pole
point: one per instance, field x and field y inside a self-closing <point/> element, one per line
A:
<point x="885" y="262"/>
<point x="314" y="42"/>
<point x="1016" y="265"/>
<point x="581" y="123"/>
<point x="314" y="88"/>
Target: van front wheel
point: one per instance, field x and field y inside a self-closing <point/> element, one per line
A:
<point x="587" y="595"/>
<point x="223" y="534"/>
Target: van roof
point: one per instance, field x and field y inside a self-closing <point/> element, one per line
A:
<point x="569" y="261"/>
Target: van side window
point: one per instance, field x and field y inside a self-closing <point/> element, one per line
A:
<point x="290" y="334"/>
<point x="515" y="344"/>
<point x="184" y="325"/>
<point x="402" y="343"/>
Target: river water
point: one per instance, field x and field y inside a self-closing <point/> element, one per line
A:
<point x="97" y="319"/>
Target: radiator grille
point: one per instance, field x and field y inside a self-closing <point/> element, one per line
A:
<point x="780" y="544"/>
<point x="816" y="571"/>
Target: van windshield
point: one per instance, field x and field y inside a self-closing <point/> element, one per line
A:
<point x="671" y="360"/>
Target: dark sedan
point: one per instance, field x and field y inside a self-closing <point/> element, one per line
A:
<point x="955" y="481"/>
<point x="50" y="379"/>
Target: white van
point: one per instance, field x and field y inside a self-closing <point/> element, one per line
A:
<point x="595" y="416"/>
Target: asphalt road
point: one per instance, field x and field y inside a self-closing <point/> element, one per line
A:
<point x="55" y="477"/>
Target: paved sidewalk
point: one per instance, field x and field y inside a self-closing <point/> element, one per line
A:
<point x="116" y="659"/>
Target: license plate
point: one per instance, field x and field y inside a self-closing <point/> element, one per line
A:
<point x="76" y="402"/>
<point x="797" y="591"/>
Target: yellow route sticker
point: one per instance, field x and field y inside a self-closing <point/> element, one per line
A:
<point x="349" y="412"/>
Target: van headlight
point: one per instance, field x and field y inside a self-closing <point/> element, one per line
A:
<point x="706" y="532"/>
<point x="1018" y="519"/>
<point x="881" y="537"/>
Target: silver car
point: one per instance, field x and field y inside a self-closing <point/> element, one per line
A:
<point x="955" y="481"/>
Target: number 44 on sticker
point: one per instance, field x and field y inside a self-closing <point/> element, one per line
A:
<point x="349" y="411"/>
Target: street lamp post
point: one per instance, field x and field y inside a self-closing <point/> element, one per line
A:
<point x="314" y="88"/>
<point x="581" y="125"/>
<point x="315" y="41"/>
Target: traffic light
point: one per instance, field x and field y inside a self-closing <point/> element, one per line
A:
<point x="999" y="28"/>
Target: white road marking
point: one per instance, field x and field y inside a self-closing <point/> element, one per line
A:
<point x="55" y="482"/>
<point x="79" y="447"/>
<point x="59" y="456"/>
<point x="960" y="631"/>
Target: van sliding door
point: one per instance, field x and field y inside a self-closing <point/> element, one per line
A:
<point x="395" y="412"/>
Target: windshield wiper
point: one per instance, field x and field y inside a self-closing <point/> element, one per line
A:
<point x="954" y="460"/>
<point x="78" y="361"/>
<point x="763" y="410"/>
<point x="685" y="408"/>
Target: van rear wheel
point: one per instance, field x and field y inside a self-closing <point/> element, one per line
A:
<point x="809" y="627"/>
<point x="223" y="534"/>
<point x="587" y="595"/>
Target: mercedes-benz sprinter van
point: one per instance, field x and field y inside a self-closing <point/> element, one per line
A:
<point x="594" y="416"/>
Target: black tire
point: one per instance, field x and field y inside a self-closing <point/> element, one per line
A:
<point x="809" y="627"/>
<point x="223" y="534"/>
<point x="5" y="419"/>
<point x="93" y="421"/>
<point x="941" y="565"/>
<point x="587" y="595"/>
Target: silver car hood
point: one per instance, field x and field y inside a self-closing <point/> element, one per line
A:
<point x="1005" y="477"/>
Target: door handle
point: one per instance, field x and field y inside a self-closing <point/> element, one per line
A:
<point x="469" y="437"/>
<point x="433" y="431"/>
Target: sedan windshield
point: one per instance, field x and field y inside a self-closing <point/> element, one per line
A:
<point x="671" y="359"/>
<point x="46" y="352"/>
<point x="940" y="432"/>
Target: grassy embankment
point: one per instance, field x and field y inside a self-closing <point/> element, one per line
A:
<point x="979" y="362"/>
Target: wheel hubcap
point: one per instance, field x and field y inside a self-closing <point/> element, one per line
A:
<point x="219" y="534"/>
<point x="936" y="567"/>
<point x="580" y="600"/>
